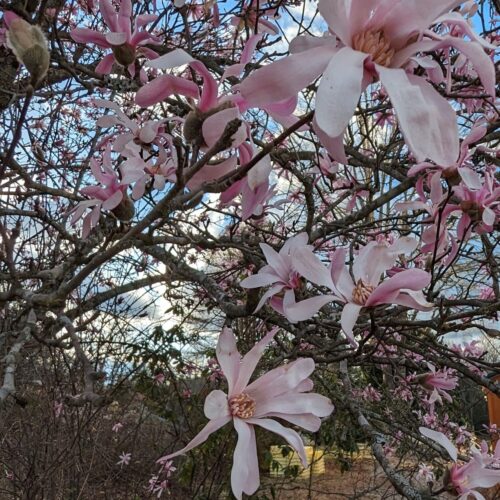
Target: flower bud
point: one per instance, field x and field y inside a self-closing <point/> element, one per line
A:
<point x="29" y="46"/>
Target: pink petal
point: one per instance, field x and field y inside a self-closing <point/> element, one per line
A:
<point x="249" y="49"/>
<point x="426" y="119"/>
<point x="309" y="266"/>
<point x="275" y="261"/>
<point x="307" y="421"/>
<point x="350" y="314"/>
<point x="85" y="35"/>
<point x="106" y="65"/>
<point x="259" y="280"/>
<point x="245" y="471"/>
<point x="337" y="17"/>
<point x="290" y="436"/>
<point x="213" y="127"/>
<point x="285" y="78"/>
<point x="471" y="179"/>
<point x="210" y="89"/>
<point x="305" y="309"/>
<point x="116" y="38"/>
<point x="9" y="17"/>
<point x="228" y="356"/>
<point x="212" y="172"/>
<point x="272" y="291"/>
<point x="164" y="86"/>
<point x="211" y="427"/>
<point x="281" y="380"/>
<point x="250" y="360"/>
<point x="339" y="91"/>
<point x="113" y="201"/>
<point x="295" y="403"/>
<point x="173" y="59"/>
<point x="109" y="14"/>
<point x="307" y="42"/>
<point x="441" y="439"/>
<point x="412" y="279"/>
<point x="216" y="405"/>
<point x="334" y="145"/>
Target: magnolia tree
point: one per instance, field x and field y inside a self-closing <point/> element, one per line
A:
<point x="226" y="225"/>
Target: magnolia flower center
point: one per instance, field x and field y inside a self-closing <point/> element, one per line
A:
<point x="242" y="406"/>
<point x="361" y="292"/>
<point x="124" y="54"/>
<point x="375" y="43"/>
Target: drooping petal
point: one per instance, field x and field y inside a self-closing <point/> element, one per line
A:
<point x="212" y="172"/>
<point x="216" y="405"/>
<point x="413" y="279"/>
<point x="305" y="309"/>
<point x="259" y="280"/>
<point x="307" y="421"/>
<point x="441" y="439"/>
<point x="334" y="145"/>
<point x="245" y="471"/>
<point x="348" y="318"/>
<point x="211" y="427"/>
<point x="213" y="127"/>
<point x="295" y="403"/>
<point x="173" y="59"/>
<point x="228" y="356"/>
<point x="290" y="436"/>
<point x="285" y="78"/>
<point x="208" y="99"/>
<point x="164" y="86"/>
<point x="86" y="35"/>
<point x="339" y="91"/>
<point x="106" y="65"/>
<point x="426" y="119"/>
<point x="281" y="380"/>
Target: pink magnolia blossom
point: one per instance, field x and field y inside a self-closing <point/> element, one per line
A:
<point x="437" y="383"/>
<point x="111" y="196"/>
<point x="124" y="459"/>
<point x="453" y="172"/>
<point x="436" y="237"/>
<point x="117" y="427"/>
<point x="206" y="122"/>
<point x="374" y="40"/>
<point x="280" y="393"/>
<point x="125" y="43"/>
<point x="481" y="471"/>
<point x="480" y="203"/>
<point x="254" y="188"/>
<point x="146" y="134"/>
<point x="403" y="288"/>
<point x="285" y="272"/>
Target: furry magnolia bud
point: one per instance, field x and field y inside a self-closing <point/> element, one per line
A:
<point x="125" y="210"/>
<point x="29" y="46"/>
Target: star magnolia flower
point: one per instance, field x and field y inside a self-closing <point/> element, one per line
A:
<point x="464" y="479"/>
<point x="124" y="43"/>
<point x="112" y="196"/>
<point x="403" y="288"/>
<point x="376" y="39"/>
<point x="437" y="383"/>
<point x="285" y="271"/>
<point x="280" y="393"/>
<point x="254" y="188"/>
<point x="124" y="459"/>
<point x="480" y="203"/>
